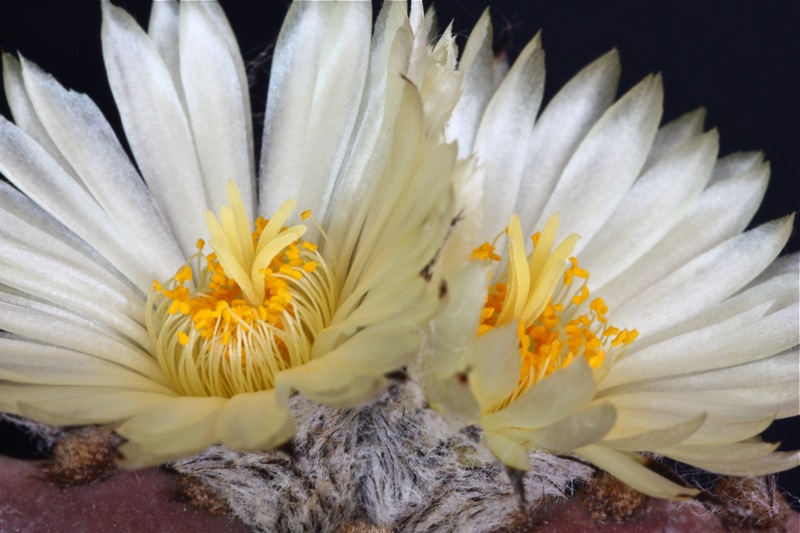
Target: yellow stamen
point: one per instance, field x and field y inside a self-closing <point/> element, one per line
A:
<point x="552" y="334"/>
<point x="255" y="306"/>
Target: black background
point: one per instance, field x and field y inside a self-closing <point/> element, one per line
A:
<point x="740" y="60"/>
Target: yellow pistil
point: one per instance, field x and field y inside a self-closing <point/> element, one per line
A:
<point x="539" y="294"/>
<point x="241" y="314"/>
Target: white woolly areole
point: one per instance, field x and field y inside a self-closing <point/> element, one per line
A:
<point x="394" y="462"/>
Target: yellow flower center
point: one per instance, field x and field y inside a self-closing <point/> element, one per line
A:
<point x="229" y="321"/>
<point x="555" y="325"/>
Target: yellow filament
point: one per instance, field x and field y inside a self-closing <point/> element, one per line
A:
<point x="246" y="311"/>
<point x="538" y="293"/>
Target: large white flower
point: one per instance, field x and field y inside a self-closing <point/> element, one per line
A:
<point x="115" y="313"/>
<point x="536" y="351"/>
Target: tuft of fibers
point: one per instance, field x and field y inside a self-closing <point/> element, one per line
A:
<point x="394" y="463"/>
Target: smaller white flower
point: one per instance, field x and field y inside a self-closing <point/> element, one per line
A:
<point x="647" y="323"/>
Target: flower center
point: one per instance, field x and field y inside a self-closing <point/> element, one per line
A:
<point x="229" y="321"/>
<point x="555" y="325"/>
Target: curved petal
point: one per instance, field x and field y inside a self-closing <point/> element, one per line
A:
<point x="268" y="424"/>
<point x="179" y="427"/>
<point x="633" y="474"/>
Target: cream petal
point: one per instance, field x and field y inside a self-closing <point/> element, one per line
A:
<point x="778" y="400"/>
<point x="74" y="405"/>
<point x="710" y="432"/>
<point x="666" y="435"/>
<point x="655" y="203"/>
<point x="752" y="458"/>
<point x="180" y="427"/>
<point x="457" y="321"/>
<point x="562" y="126"/>
<point x="331" y="381"/>
<point x="501" y="142"/>
<point x="581" y="429"/>
<point x="559" y="395"/>
<point x="218" y="107"/>
<point x="87" y="141"/>
<point x="368" y="152"/>
<point x="254" y="421"/>
<point x="704" y="281"/>
<point x="320" y="62"/>
<point x="632" y="473"/>
<point x="606" y="163"/>
<point x="155" y="125"/>
<point x="508" y="451"/>
<point x="493" y="367"/>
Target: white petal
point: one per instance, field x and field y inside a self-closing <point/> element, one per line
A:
<point x="24" y="113"/>
<point x="218" y="107"/>
<point x="476" y="63"/>
<point x="704" y="281"/>
<point x="217" y="16"/>
<point x="155" y="125"/>
<point x="163" y="30"/>
<point x="674" y="134"/>
<point x="316" y="85"/>
<point x="87" y="141"/>
<point x="39" y="364"/>
<point x="656" y="202"/>
<point x="564" y="123"/>
<point x="606" y="163"/>
<point x="501" y="142"/>
<point x="30" y="230"/>
<point x="778" y="369"/>
<point x="51" y="325"/>
<point x="722" y="211"/>
<point x="746" y="337"/>
<point x="33" y="171"/>
<point x="51" y="281"/>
